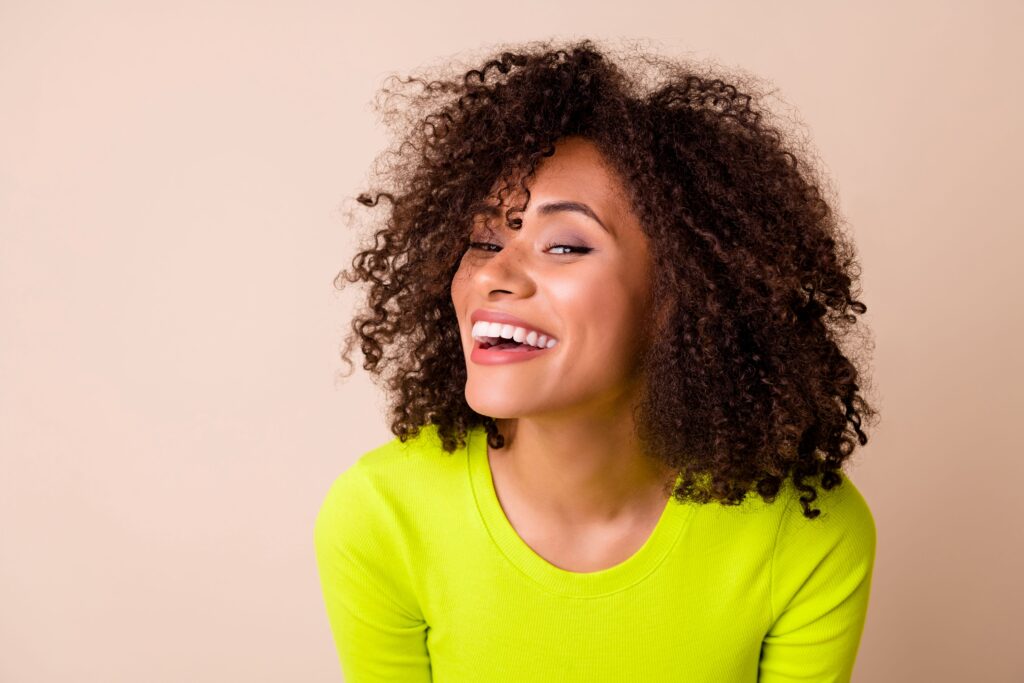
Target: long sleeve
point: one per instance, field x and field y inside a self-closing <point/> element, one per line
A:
<point x="820" y="585"/>
<point x="378" y="629"/>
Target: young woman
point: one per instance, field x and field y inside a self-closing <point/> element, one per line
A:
<point x="620" y="404"/>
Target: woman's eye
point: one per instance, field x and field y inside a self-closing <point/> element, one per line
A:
<point x="578" y="250"/>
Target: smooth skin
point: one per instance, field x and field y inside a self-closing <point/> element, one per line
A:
<point x="572" y="477"/>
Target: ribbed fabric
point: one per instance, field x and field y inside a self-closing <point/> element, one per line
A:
<point x="425" y="579"/>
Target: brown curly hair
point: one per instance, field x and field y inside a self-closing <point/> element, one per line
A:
<point x="749" y="385"/>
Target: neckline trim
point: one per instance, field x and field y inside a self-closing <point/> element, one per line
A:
<point x="554" y="579"/>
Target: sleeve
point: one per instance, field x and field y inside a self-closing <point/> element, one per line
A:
<point x="379" y="632"/>
<point x="820" y="584"/>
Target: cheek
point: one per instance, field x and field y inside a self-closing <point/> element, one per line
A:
<point x="602" y="308"/>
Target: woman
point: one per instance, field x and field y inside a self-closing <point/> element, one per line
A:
<point x="617" y="391"/>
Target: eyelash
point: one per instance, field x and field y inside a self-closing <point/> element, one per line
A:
<point x="578" y="250"/>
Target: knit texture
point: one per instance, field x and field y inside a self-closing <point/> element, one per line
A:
<point x="425" y="579"/>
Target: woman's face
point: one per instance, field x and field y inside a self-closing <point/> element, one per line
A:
<point x="594" y="298"/>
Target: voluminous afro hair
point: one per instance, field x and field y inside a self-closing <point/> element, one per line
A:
<point x="748" y="385"/>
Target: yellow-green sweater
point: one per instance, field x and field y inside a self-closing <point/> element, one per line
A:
<point x="424" y="579"/>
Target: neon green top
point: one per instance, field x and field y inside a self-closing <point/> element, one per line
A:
<point x="425" y="579"/>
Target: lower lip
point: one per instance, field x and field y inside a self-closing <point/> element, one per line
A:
<point x="491" y="356"/>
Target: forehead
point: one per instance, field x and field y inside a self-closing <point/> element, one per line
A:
<point x="578" y="166"/>
<point x="577" y="171"/>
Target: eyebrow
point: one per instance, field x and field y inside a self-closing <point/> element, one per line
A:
<point x="567" y="205"/>
<point x="557" y="206"/>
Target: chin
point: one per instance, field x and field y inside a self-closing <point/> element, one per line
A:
<point x="498" y="410"/>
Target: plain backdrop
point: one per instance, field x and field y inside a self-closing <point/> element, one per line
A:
<point x="173" y="183"/>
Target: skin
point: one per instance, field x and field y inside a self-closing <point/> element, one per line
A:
<point x="572" y="478"/>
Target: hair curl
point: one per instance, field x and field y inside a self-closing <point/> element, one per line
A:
<point x="749" y="385"/>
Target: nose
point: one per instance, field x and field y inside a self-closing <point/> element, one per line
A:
<point x="505" y="270"/>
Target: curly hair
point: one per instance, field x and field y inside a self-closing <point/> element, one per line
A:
<point x="750" y="383"/>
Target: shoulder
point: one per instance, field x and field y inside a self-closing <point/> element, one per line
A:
<point x="388" y="478"/>
<point x="396" y="465"/>
<point x="845" y="513"/>
<point x="781" y="524"/>
<point x="365" y="529"/>
<point x="831" y="554"/>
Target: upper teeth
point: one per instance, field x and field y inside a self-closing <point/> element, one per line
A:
<point x="483" y="330"/>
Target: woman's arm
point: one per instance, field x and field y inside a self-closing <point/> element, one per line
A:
<point x="821" y="581"/>
<point x="378" y="630"/>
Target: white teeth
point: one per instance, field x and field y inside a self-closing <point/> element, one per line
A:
<point x="483" y="328"/>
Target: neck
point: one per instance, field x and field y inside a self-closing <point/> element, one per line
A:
<point x="582" y="471"/>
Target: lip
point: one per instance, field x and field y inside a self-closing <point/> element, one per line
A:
<point x="507" y="319"/>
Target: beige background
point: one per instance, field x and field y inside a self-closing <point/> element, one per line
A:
<point x="173" y="180"/>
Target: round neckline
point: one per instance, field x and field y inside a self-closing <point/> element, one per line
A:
<point x="555" y="579"/>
